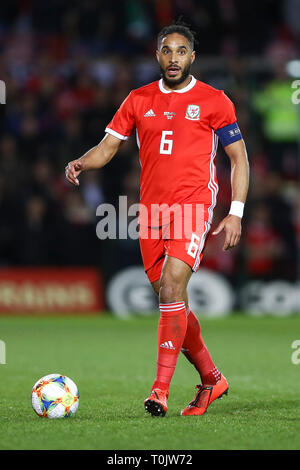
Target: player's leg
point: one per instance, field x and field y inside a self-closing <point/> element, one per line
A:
<point x="171" y="289"/>
<point x="193" y="347"/>
<point x="173" y="321"/>
<point x="152" y="251"/>
<point x="156" y="286"/>
<point x="214" y="385"/>
<point x="197" y="353"/>
<point x="190" y="250"/>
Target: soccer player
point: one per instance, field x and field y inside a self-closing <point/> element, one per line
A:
<point x="178" y="121"/>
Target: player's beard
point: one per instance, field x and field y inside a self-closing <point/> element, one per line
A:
<point x="171" y="83"/>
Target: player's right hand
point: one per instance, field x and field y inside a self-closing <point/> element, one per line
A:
<point x="73" y="170"/>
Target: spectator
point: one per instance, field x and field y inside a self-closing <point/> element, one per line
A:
<point x="280" y="117"/>
<point x="263" y="246"/>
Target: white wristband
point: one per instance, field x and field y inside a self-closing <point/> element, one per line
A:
<point x="237" y="208"/>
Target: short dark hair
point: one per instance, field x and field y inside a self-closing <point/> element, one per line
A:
<point x="178" y="27"/>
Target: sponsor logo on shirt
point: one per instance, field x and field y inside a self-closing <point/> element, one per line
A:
<point x="150" y="113"/>
<point x="193" y="112"/>
<point x="169" y="114"/>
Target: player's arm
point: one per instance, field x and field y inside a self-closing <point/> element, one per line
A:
<point x="94" y="159"/>
<point x="231" y="224"/>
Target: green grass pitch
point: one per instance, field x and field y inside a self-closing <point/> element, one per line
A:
<point x="113" y="363"/>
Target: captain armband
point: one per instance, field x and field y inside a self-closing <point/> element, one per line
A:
<point x="229" y="134"/>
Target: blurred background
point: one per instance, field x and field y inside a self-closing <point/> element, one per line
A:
<point x="67" y="66"/>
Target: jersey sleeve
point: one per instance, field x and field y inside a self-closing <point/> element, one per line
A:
<point x="224" y="121"/>
<point x="123" y="122"/>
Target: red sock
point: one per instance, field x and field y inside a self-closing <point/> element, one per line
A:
<point x="197" y="353"/>
<point x="170" y="336"/>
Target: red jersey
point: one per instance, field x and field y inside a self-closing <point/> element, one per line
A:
<point x="177" y="134"/>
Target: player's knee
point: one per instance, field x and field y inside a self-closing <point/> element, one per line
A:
<point x="170" y="290"/>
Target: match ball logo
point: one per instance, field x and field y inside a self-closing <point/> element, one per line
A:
<point x="193" y="112"/>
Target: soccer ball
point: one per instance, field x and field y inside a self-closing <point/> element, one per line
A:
<point x="55" y="396"/>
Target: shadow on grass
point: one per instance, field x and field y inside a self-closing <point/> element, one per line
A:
<point x="281" y="409"/>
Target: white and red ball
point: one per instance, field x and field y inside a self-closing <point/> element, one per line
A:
<point x="55" y="396"/>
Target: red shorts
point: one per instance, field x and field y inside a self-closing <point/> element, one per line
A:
<point x="183" y="238"/>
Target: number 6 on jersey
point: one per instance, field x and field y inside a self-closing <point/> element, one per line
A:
<point x="166" y="144"/>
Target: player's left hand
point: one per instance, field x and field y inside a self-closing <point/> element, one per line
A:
<point x="233" y="229"/>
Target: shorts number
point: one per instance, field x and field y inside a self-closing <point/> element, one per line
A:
<point x="194" y="245"/>
<point x="166" y="144"/>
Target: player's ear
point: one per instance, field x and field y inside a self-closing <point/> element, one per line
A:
<point x="193" y="56"/>
<point x="157" y="55"/>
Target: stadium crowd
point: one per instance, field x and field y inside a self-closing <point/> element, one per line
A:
<point x="67" y="67"/>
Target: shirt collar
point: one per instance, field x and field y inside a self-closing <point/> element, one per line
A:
<point x="182" y="90"/>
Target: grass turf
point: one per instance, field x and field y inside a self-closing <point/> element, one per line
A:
<point x="113" y="363"/>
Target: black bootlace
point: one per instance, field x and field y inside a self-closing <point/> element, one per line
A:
<point x="201" y="397"/>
